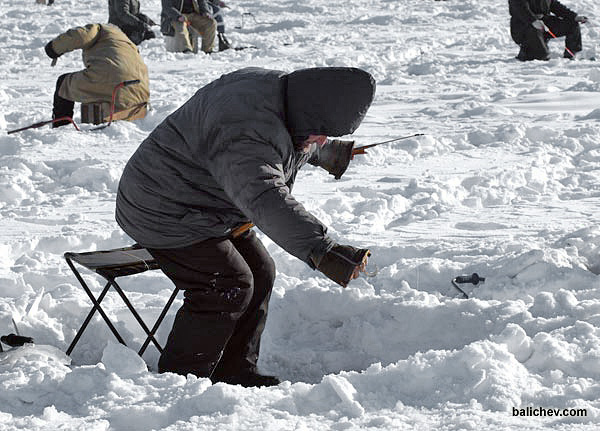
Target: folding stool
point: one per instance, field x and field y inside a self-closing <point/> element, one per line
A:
<point x="111" y="264"/>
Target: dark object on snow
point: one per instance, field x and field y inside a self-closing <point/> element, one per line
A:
<point x="463" y="279"/>
<point x="558" y="18"/>
<point x="223" y="42"/>
<point x="248" y="380"/>
<point x="14" y="340"/>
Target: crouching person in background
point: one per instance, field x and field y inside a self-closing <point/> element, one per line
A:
<point x="530" y="21"/>
<point x="179" y="17"/>
<point x="126" y="15"/>
<point x="110" y="58"/>
<point x="223" y="161"/>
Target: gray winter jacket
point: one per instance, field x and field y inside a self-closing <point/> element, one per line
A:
<point x="126" y="14"/>
<point x="226" y="158"/>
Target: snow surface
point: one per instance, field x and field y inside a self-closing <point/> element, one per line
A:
<point x="505" y="183"/>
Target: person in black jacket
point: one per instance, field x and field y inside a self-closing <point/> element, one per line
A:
<point x="533" y="22"/>
<point x="126" y="15"/>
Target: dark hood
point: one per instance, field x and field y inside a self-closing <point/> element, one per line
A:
<point x="330" y="101"/>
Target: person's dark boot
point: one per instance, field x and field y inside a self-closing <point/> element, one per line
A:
<point x="61" y="106"/>
<point x="522" y="55"/>
<point x="568" y="55"/>
<point x="248" y="379"/>
<point x="60" y="123"/>
<point x="223" y="42"/>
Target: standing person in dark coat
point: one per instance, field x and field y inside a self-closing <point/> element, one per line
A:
<point x="126" y="15"/>
<point x="227" y="157"/>
<point x="530" y="20"/>
<point x="217" y="14"/>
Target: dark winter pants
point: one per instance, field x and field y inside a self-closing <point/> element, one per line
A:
<point x="533" y="42"/>
<point x="227" y="284"/>
<point x="62" y="107"/>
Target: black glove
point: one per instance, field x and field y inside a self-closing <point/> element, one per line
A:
<point x="149" y="34"/>
<point x="341" y="262"/>
<point x="335" y="157"/>
<point x="50" y="52"/>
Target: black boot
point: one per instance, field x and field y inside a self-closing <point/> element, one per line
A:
<point x="522" y="55"/>
<point x="195" y="343"/>
<point x="62" y="107"/>
<point x="248" y="379"/>
<point x="223" y="42"/>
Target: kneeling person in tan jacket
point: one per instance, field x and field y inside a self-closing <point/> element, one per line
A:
<point x="110" y="58"/>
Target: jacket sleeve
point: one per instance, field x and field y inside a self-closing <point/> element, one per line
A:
<point x="76" y="38"/>
<point x="559" y="9"/>
<point x="203" y="7"/>
<point x="122" y="9"/>
<point x="251" y="173"/>
<point x="521" y="11"/>
<point x="170" y="10"/>
<point x="145" y="18"/>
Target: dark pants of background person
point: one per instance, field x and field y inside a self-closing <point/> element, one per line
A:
<point x="227" y="284"/>
<point x="533" y="42"/>
<point x="61" y="106"/>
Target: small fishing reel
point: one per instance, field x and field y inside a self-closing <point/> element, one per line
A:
<point x="474" y="279"/>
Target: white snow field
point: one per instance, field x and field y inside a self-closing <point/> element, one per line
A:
<point x="505" y="183"/>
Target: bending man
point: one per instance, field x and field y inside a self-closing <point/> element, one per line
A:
<point x="227" y="157"/>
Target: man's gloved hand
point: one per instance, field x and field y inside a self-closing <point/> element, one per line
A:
<point x="581" y="19"/>
<point x="50" y="51"/>
<point x="538" y="24"/>
<point x="344" y="263"/>
<point x="148" y="34"/>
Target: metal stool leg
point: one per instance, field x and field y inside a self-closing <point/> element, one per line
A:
<point x="157" y="324"/>
<point x="96" y="307"/>
<point x="135" y="314"/>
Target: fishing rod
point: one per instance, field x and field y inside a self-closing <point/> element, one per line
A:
<point x="361" y="150"/>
